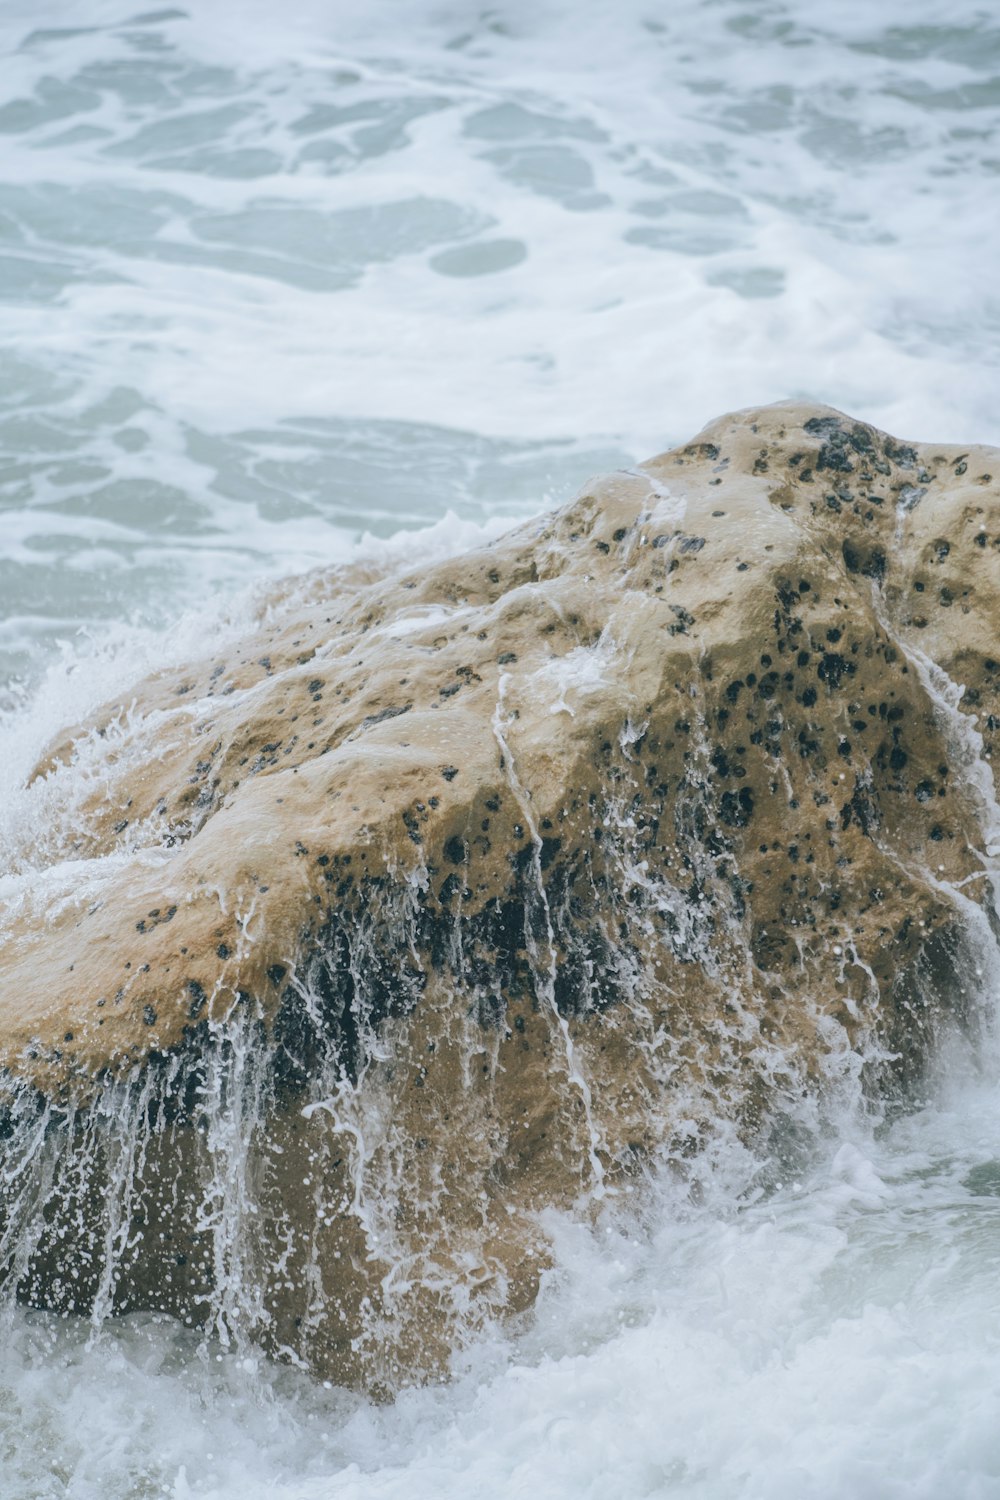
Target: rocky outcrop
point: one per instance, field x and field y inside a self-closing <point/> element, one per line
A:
<point x="454" y="894"/>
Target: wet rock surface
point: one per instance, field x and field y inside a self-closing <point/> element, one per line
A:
<point x="454" y="895"/>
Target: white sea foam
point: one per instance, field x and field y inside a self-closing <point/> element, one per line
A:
<point x="839" y="1336"/>
<point x="583" y="670"/>
<point x="271" y="277"/>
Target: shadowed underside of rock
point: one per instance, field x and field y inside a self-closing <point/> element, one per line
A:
<point x="451" y="895"/>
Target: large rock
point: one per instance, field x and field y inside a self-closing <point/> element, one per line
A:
<point x="453" y="894"/>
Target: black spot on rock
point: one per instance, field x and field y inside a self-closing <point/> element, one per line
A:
<point x="385" y="713"/>
<point x="455" y="850"/>
<point x="900" y="453"/>
<point x="198" y="998"/>
<point x="865" y="558"/>
<point x="736" y="808"/>
<point x="833" y="668"/>
<point x="822" y="426"/>
<point x="550" y="848"/>
<point x="861" y="809"/>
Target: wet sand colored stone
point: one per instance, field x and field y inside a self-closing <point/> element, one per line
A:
<point x="454" y="895"/>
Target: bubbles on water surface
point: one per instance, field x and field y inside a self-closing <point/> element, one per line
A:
<point x="573" y="236"/>
<point x="840" y="1332"/>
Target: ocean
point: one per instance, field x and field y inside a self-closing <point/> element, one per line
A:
<point x="285" y="286"/>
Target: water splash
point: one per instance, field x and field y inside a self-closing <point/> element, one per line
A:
<point x="544" y="963"/>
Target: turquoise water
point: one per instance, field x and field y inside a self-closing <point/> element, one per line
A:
<point x="271" y="277"/>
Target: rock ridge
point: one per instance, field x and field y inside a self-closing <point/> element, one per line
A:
<point x="517" y="874"/>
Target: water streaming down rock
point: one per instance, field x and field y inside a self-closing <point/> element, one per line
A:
<point x="449" y="896"/>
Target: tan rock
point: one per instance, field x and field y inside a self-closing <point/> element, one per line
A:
<point x="455" y="894"/>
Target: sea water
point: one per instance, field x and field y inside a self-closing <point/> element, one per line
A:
<point x="282" y="285"/>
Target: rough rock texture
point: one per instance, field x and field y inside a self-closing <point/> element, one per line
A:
<point x="454" y="894"/>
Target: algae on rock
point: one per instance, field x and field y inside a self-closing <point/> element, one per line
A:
<point x="456" y="894"/>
